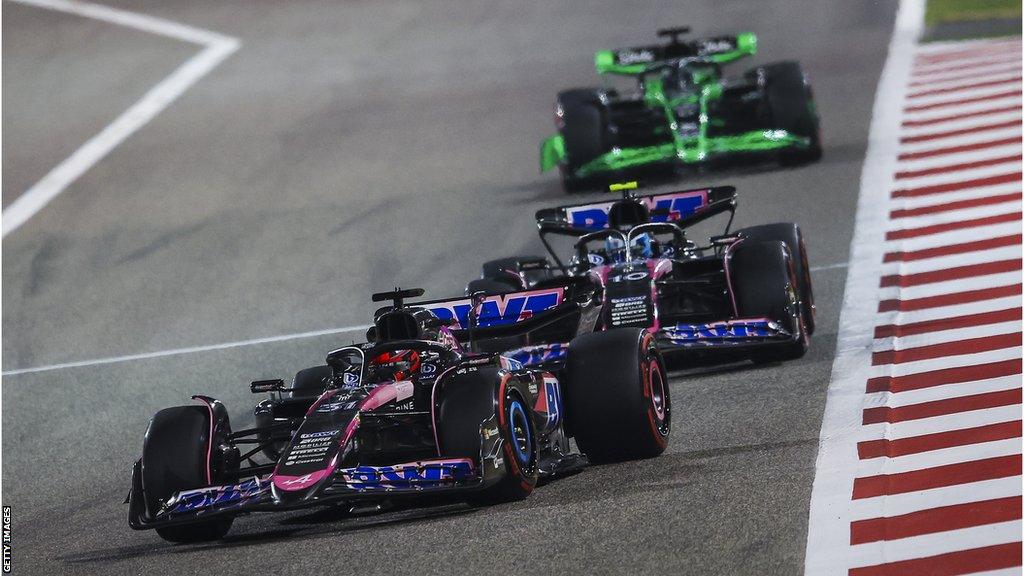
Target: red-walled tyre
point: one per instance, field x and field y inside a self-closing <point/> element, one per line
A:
<point x="617" y="396"/>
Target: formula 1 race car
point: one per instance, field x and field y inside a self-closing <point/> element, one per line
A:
<point x="682" y="112"/>
<point x="447" y="399"/>
<point x="745" y="294"/>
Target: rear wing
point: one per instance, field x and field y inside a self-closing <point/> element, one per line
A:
<point x="684" y="207"/>
<point x="496" y="310"/>
<point x="637" y="60"/>
<point x="526" y="315"/>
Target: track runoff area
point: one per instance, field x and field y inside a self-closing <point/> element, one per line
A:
<point x="919" y="465"/>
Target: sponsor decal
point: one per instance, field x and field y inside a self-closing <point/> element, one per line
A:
<point x="324" y="434"/>
<point x="630" y="311"/>
<point x="498" y="310"/>
<point x="716" y="46"/>
<point x="350" y="379"/>
<point x="427" y="369"/>
<point x="728" y="330"/>
<point x="550" y="403"/>
<point x="337" y="406"/>
<point x="218" y="496"/>
<point x="434" y="472"/>
<point x="510" y="363"/>
<point x="664" y="208"/>
<point x="635" y="56"/>
<point x="533" y="355"/>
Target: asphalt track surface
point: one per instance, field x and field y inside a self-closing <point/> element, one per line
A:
<point x="345" y="148"/>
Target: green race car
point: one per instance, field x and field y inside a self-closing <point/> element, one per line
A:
<point x="682" y="112"/>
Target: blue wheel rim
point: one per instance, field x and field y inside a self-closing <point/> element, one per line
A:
<point x="519" y="432"/>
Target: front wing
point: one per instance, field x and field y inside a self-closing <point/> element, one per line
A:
<point x="737" y="335"/>
<point x="692" y="151"/>
<point x="350" y="484"/>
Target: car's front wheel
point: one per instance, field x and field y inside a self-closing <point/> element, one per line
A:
<point x="617" y="399"/>
<point x="175" y="458"/>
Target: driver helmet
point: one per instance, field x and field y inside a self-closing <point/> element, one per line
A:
<point x="397" y="365"/>
<point x="642" y="247"/>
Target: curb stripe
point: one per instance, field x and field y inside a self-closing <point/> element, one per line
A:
<point x="941" y="119"/>
<point x="957" y="273"/>
<point x="995" y="317"/>
<point x="949" y="299"/>
<point x="928" y="442"/>
<point x="958" y="205"/>
<point x="958" y="67"/>
<point x="962" y="101"/>
<point x="960" y="132"/>
<point x="957" y="375"/>
<point x="947" y="226"/>
<point x="936" y="477"/>
<point x="960" y="347"/>
<point x="950" y="563"/>
<point x="962" y="87"/>
<point x="940" y="519"/>
<point x="973" y="53"/>
<point x="957" y="149"/>
<point x="957" y="78"/>
<point x="942" y="407"/>
<point x="960" y="185"/>
<point x="957" y="167"/>
<point x="977" y="245"/>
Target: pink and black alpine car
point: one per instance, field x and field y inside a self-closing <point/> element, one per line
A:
<point x="446" y="399"/>
<point x="744" y="294"/>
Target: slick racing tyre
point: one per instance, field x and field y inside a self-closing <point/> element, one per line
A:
<point x="791" y="107"/>
<point x="464" y="402"/>
<point x="764" y="285"/>
<point x="617" y="397"/>
<point x="310" y="382"/>
<point x="790" y="234"/>
<point x="519" y="451"/>
<point x="174" y="458"/>
<point x="584" y="128"/>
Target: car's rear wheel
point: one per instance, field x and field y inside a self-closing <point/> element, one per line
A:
<point x="175" y="458"/>
<point x="790" y="234"/>
<point x="791" y="107"/>
<point x="584" y="129"/>
<point x="617" y="397"/>
<point x="764" y="285"/>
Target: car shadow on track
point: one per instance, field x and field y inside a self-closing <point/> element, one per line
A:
<point x="319" y="524"/>
<point x="670" y="472"/>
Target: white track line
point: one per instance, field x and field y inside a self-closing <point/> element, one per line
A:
<point x="217" y="48"/>
<point x="835" y="266"/>
<point x="238" y="344"/>
<point x="181" y="351"/>
<point x="828" y="539"/>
